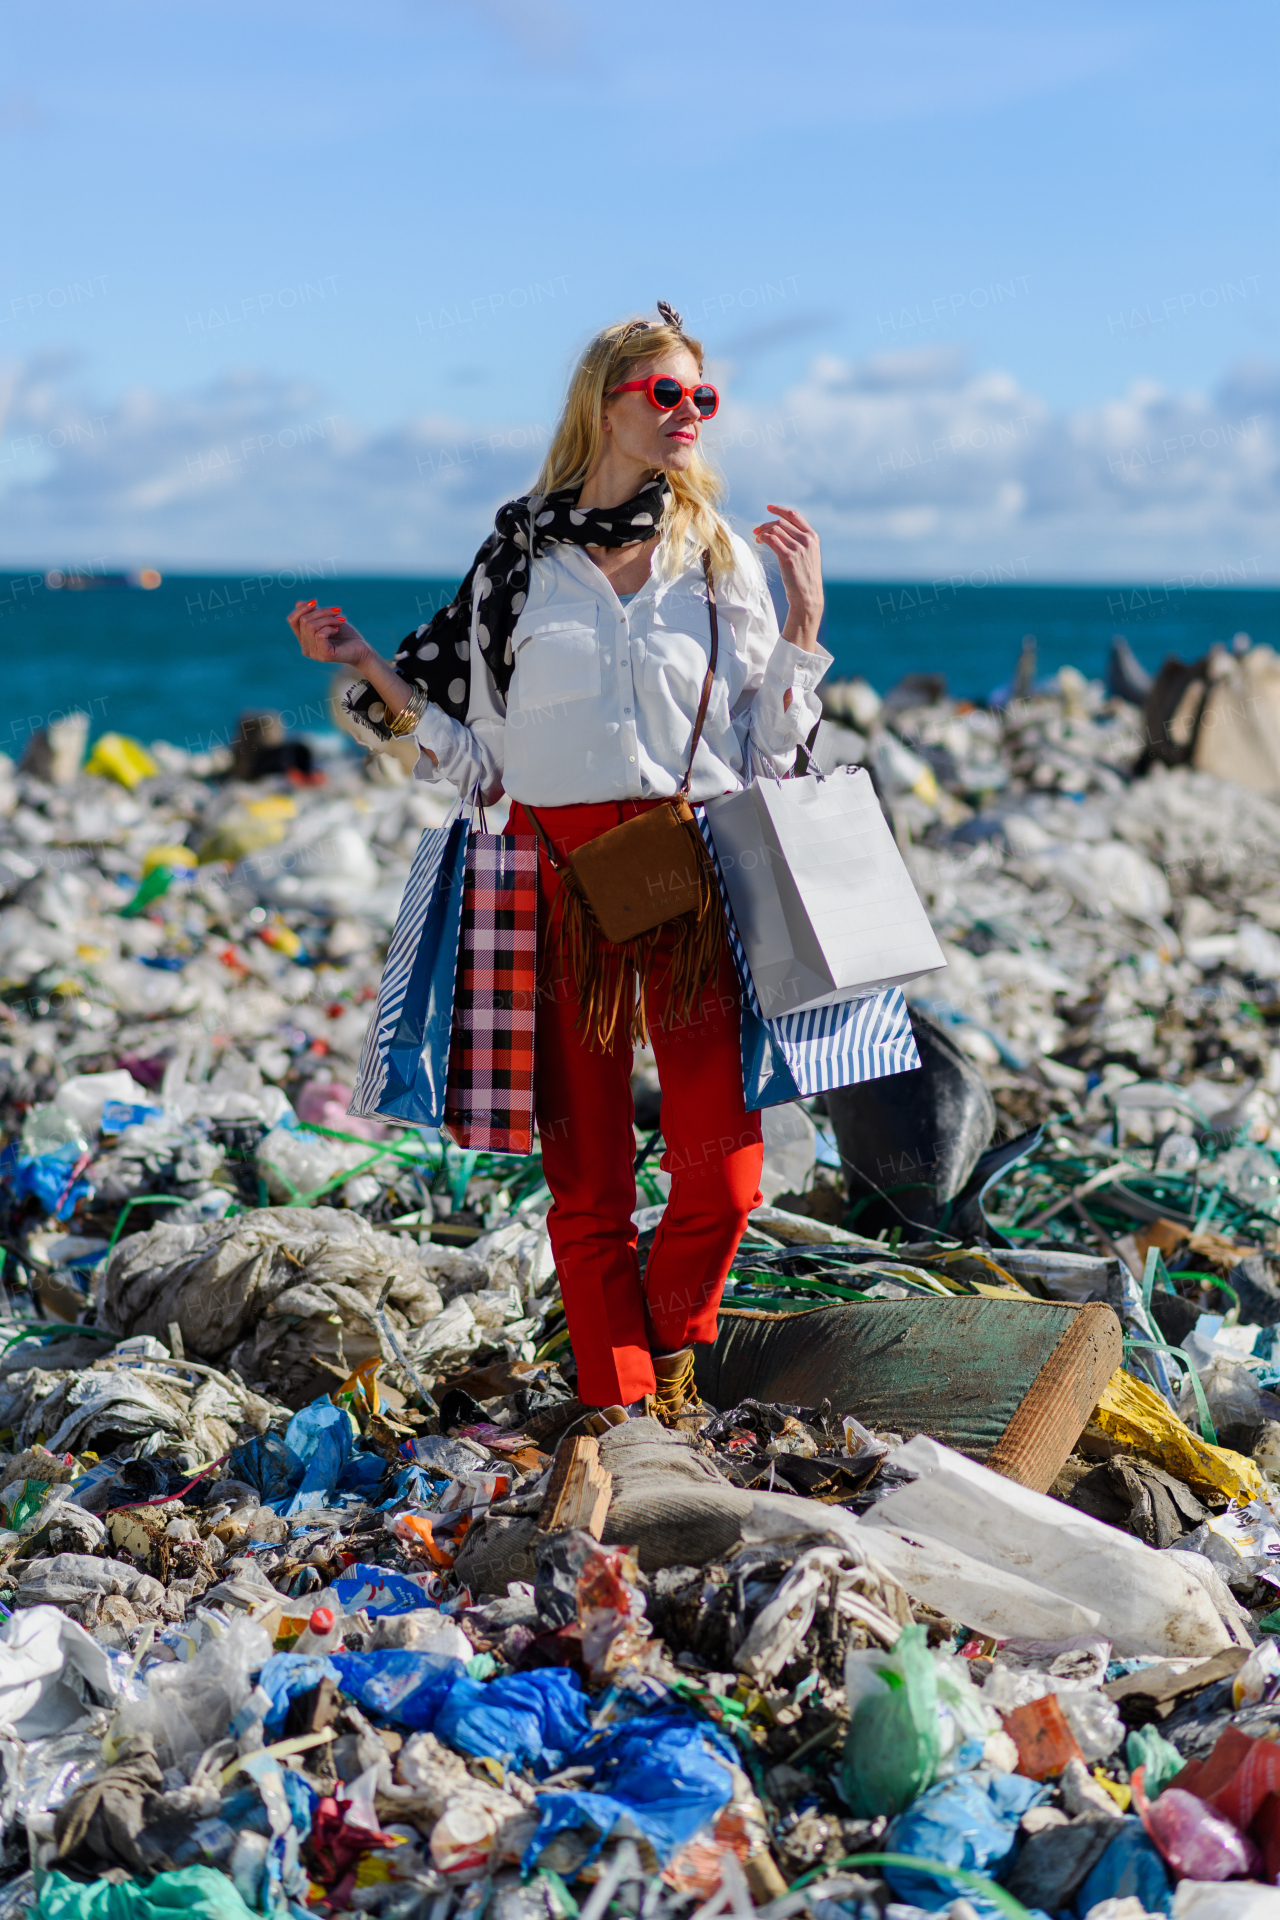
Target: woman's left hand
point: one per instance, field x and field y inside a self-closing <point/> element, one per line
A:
<point x="799" y="555"/>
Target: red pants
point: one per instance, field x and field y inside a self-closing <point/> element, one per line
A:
<point x="585" y="1122"/>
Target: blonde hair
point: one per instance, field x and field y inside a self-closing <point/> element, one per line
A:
<point x="694" y="493"/>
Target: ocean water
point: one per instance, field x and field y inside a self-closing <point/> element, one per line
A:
<point x="181" y="661"/>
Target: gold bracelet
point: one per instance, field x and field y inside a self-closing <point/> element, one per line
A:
<point x="410" y="713"/>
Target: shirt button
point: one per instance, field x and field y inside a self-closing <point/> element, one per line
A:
<point x="626" y="709"/>
<point x="631" y="757"/>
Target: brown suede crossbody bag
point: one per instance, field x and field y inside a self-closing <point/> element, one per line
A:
<point x="654" y="867"/>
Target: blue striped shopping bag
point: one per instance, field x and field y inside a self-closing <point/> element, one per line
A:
<point x="404" y="1063"/>
<point x="801" y="1054"/>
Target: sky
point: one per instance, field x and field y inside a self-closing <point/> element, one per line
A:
<point x="981" y="286"/>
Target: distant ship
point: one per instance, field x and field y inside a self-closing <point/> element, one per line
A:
<point x="60" y="581"/>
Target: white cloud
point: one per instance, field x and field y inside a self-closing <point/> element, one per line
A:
<point x="909" y="465"/>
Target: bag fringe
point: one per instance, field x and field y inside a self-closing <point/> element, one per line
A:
<point x="611" y="976"/>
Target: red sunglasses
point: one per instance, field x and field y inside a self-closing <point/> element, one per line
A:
<point x="665" y="392"/>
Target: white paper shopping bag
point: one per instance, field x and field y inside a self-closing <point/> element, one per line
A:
<point x="824" y="904"/>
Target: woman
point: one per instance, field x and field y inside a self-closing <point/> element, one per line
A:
<point x="571" y="681"/>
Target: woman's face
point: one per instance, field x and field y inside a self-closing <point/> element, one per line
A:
<point x="639" y="431"/>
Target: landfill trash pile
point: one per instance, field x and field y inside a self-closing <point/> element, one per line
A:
<point x="315" y="1594"/>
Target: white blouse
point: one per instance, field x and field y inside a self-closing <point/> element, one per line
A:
<point x="603" y="698"/>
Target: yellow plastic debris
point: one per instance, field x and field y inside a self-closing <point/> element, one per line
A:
<point x="1120" y="1794"/>
<point x="116" y="757"/>
<point x="239" y="836"/>
<point x="166" y="857"/>
<point x="1134" y="1414"/>
<point x="275" y="806"/>
<point x="283" y="939"/>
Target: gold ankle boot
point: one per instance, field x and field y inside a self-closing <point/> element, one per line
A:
<point x="600" y="1419"/>
<point x="675" y="1395"/>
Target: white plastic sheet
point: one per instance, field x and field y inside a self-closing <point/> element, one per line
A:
<point x="1146" y="1602"/>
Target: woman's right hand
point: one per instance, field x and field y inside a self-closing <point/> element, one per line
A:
<point x="324" y="633"/>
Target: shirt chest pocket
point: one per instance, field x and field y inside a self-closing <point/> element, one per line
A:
<point x="675" y="665"/>
<point x="557" y="657"/>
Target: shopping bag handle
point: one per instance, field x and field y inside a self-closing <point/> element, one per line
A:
<point x="804" y="754"/>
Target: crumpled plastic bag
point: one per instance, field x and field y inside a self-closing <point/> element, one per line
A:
<point x="194" y="1893"/>
<point x="320" y="1437"/>
<point x="523" y="1718"/>
<point x="266" y="1291"/>
<point x="1233" y="1395"/>
<point x="894" y="1743"/>
<point x="968" y="1821"/>
<point x="188" y="1705"/>
<point x="401" y="1685"/>
<point x="858" y="1592"/>
<point x="267" y="1465"/>
<point x="288" y="1674"/>
<point x="50" y="1671"/>
<point x="664" y="1775"/>
<point x="1130" y="1868"/>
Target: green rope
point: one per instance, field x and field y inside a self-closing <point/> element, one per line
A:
<point x="1211" y="1280"/>
<point x="1207" y="1429"/>
<point x="936" y="1869"/>
<point x="142" y="1200"/>
<point x="361" y="1140"/>
<point x="64" y="1331"/>
<point x="783" y="1282"/>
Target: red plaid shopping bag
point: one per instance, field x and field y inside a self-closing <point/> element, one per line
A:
<point x="489" y="1102"/>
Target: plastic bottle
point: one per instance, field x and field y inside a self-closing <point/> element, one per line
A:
<point x="322" y="1634"/>
<point x="1198" y="1843"/>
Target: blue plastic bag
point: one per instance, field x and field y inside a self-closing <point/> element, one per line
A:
<point x="320" y="1436"/>
<point x="46" y="1177"/>
<point x="363" y="1473"/>
<point x="970" y="1820"/>
<point x="268" y="1465"/>
<point x="1130" y="1865"/>
<point x="288" y="1674"/>
<point x="413" y="1487"/>
<point x="540" y="1716"/>
<point x="399" y="1684"/>
<point x="664" y="1774"/>
<point x="404" y="1064"/>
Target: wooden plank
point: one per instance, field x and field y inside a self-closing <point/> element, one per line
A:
<point x="579" y="1490"/>
<point x="1057" y="1405"/>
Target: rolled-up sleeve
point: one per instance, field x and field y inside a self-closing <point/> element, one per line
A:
<point x="776" y="728"/>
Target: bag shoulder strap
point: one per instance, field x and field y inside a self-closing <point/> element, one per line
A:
<point x="548" y="845"/>
<point x="709" y="677"/>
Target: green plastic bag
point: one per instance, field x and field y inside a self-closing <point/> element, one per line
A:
<point x="1147" y="1748"/>
<point x="29" y="1501"/>
<point x="893" y="1746"/>
<point x="196" y="1893"/>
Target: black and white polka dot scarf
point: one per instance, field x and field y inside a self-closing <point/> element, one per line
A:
<point x="437" y="656"/>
